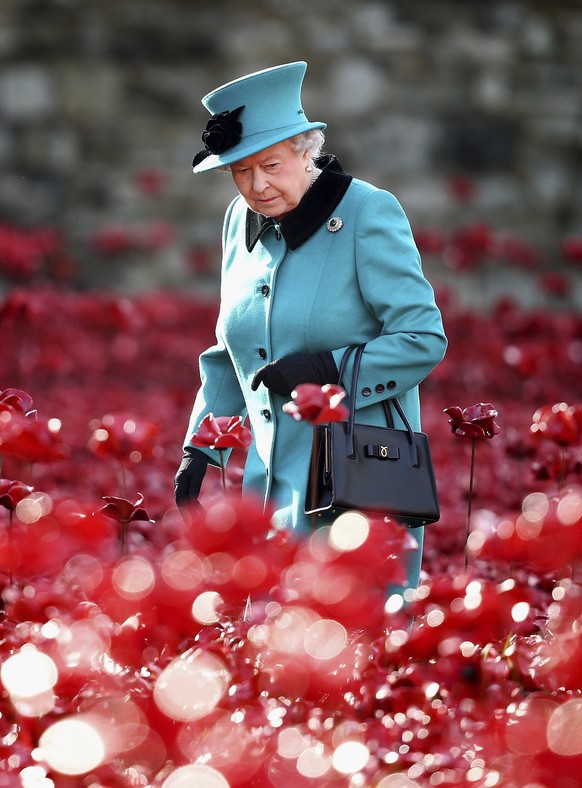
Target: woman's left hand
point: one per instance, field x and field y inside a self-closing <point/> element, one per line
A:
<point x="286" y="373"/>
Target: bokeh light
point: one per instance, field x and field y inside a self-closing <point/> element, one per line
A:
<point x="133" y="577"/>
<point x="36" y="706"/>
<point x="398" y="781"/>
<point x="28" y="673"/>
<point x="291" y="742"/>
<point x="394" y="603"/>
<point x="183" y="570"/>
<point x="520" y="611"/>
<point x="565" y="729"/>
<point x="349" y="531"/>
<point x="191" y="686"/>
<point x="289" y="628"/>
<point x="350" y="757"/>
<point x="72" y="746"/>
<point x="36" y="505"/>
<point x="82" y="645"/>
<point x="195" y="776"/>
<point x="314" y="761"/>
<point x="34" y="777"/>
<point x="84" y="571"/>
<point x="249" y="571"/>
<point x="325" y="639"/>
<point x="206" y="607"/>
<point x="569" y="510"/>
<point x="54" y="425"/>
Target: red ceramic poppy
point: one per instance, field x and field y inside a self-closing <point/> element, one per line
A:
<point x="18" y="401"/>
<point x="476" y="422"/>
<point x="317" y="404"/>
<point x="12" y="492"/>
<point x="222" y="432"/>
<point x="559" y="423"/>
<point x="124" y="511"/>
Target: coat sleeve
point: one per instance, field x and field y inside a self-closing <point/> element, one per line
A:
<point x="411" y="339"/>
<point x="220" y="392"/>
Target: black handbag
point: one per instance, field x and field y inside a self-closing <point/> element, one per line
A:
<point x="372" y="469"/>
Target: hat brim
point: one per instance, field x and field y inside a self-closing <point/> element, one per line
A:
<point x="252" y="145"/>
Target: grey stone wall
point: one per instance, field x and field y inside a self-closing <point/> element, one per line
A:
<point x="469" y="111"/>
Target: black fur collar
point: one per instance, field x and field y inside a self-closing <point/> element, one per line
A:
<point x="315" y="207"/>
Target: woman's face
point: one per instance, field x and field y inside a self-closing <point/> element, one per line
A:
<point x="274" y="180"/>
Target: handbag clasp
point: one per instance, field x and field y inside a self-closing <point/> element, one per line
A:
<point x="382" y="452"/>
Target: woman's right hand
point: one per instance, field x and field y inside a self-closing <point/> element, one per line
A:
<point x="189" y="477"/>
<point x="286" y="373"/>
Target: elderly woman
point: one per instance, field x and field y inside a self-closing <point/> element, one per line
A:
<point x="314" y="260"/>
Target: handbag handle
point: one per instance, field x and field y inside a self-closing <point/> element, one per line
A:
<point x="350" y="433"/>
<point x="344" y="362"/>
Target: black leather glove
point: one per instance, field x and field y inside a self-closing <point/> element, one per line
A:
<point x="286" y="373"/>
<point x="188" y="479"/>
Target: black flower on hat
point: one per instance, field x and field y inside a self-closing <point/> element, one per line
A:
<point x="222" y="132"/>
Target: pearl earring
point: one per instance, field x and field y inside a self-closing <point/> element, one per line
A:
<point x="309" y="168"/>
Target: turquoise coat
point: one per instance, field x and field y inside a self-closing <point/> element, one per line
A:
<point x="296" y="286"/>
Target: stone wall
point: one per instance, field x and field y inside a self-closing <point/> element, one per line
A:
<point x="469" y="111"/>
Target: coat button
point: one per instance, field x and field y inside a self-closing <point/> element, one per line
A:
<point x="265" y="290"/>
<point x="391" y="384"/>
<point x="379" y="388"/>
<point x="366" y="392"/>
<point x="262" y="353"/>
<point x="266" y="414"/>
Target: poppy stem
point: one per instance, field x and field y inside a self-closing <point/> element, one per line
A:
<point x="470" y="502"/>
<point x="563" y="468"/>
<point x="123" y="478"/>
<point x="222" y="474"/>
<point x="123" y="526"/>
<point x="10" y="515"/>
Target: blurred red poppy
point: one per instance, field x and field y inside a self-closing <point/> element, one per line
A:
<point x="124" y="436"/>
<point x="555" y="659"/>
<point x="158" y="235"/>
<point x="246" y="555"/>
<point x="545" y="537"/>
<point x="12" y="492"/>
<point x="113" y="239"/>
<point x="462" y="188"/>
<point x="30" y="440"/>
<point x="25" y="251"/>
<point x="18" y="401"/>
<point x="555" y="284"/>
<point x="125" y="511"/>
<point x="151" y="182"/>
<point x="572" y="248"/>
<point x="317" y="404"/>
<point x="475" y="422"/>
<point x="222" y="432"/>
<point x="553" y="462"/>
<point x="559" y="423"/>
<point x="468" y="247"/>
<point x="516" y="250"/>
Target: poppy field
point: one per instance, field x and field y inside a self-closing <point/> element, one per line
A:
<point x="144" y="646"/>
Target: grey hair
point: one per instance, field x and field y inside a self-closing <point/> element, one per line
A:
<point x="312" y="141"/>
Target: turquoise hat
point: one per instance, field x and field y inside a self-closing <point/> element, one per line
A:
<point x="252" y="113"/>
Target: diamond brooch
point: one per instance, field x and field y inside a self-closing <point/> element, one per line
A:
<point x="334" y="224"/>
